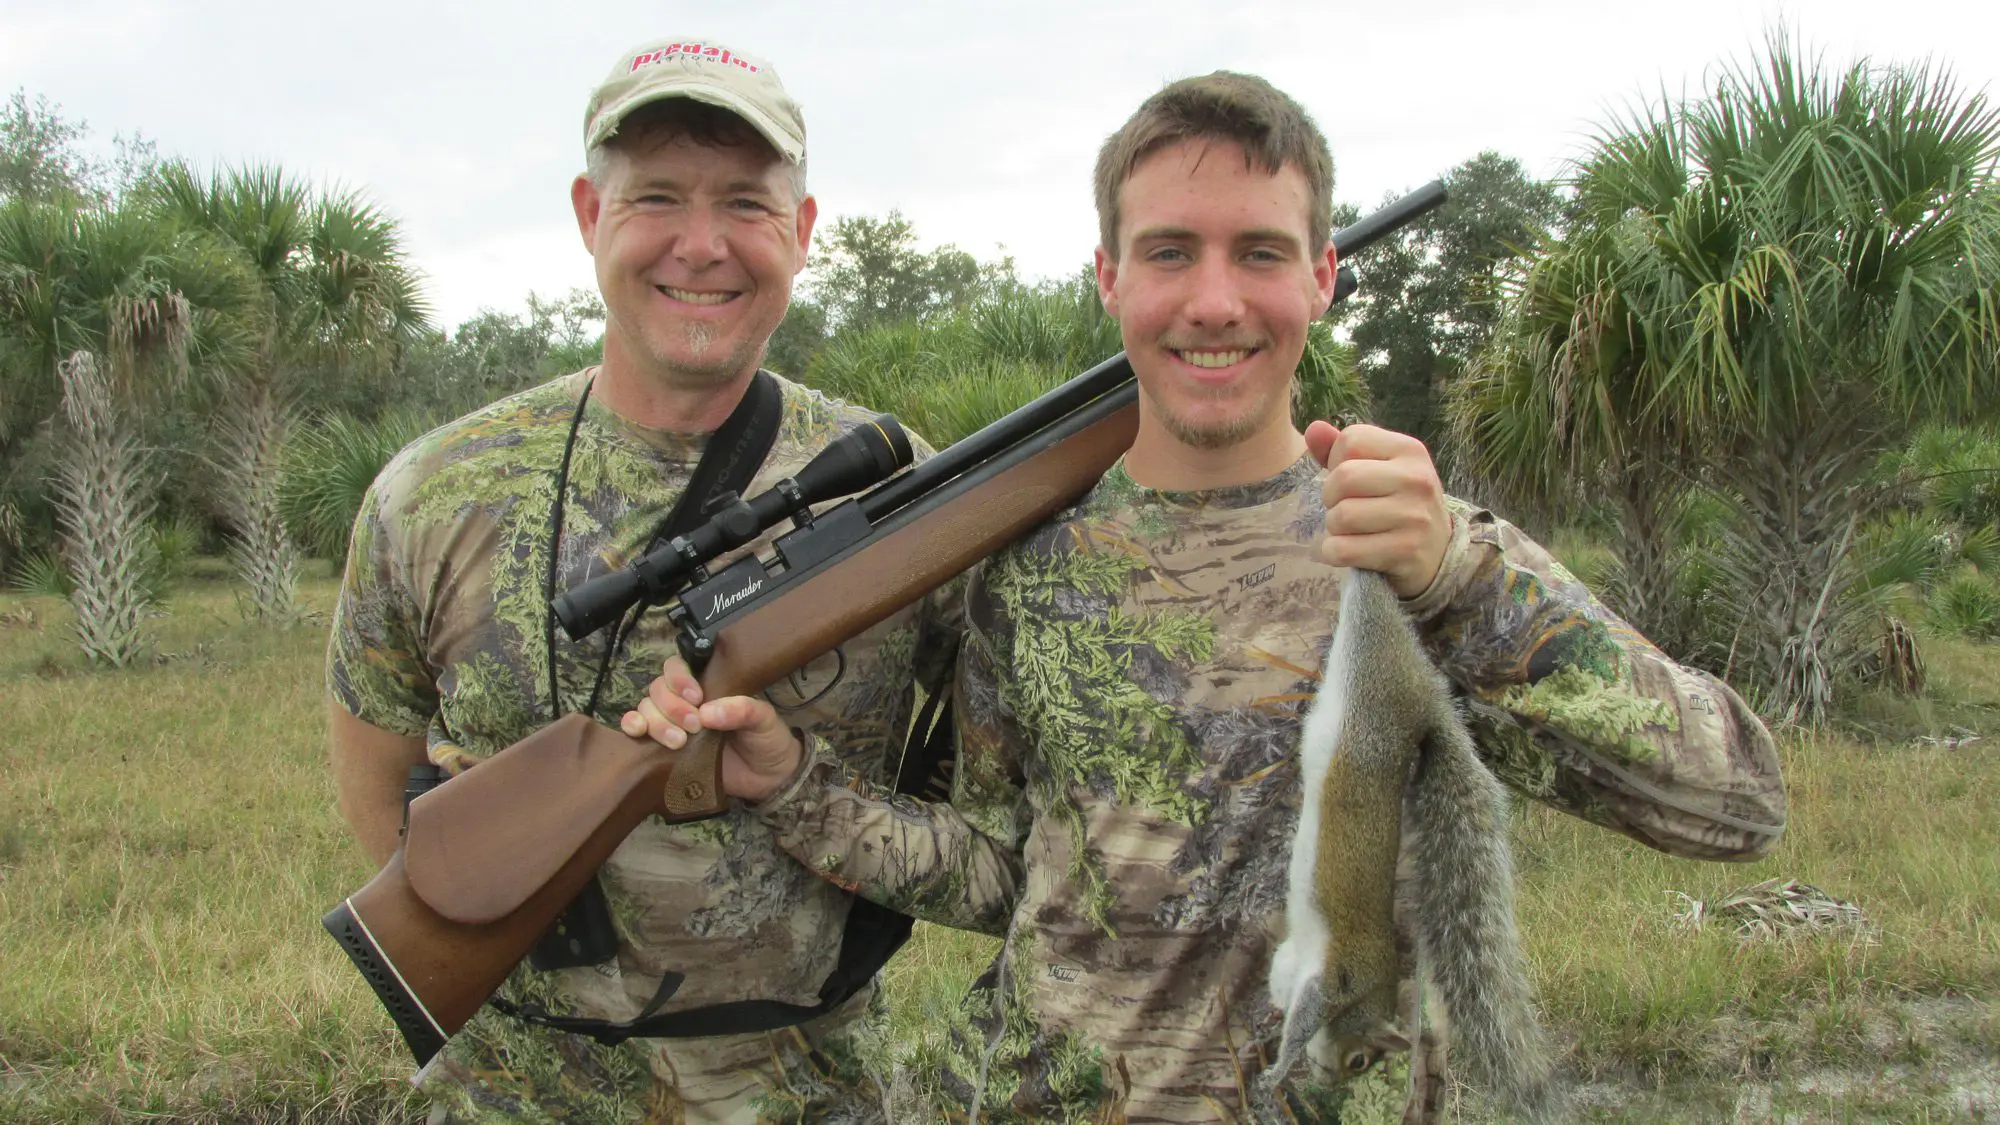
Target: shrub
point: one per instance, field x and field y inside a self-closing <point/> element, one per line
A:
<point x="1967" y="604"/>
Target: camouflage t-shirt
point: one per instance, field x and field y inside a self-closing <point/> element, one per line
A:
<point x="440" y="632"/>
<point x="1131" y="689"/>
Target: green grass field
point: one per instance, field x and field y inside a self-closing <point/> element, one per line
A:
<point x="168" y="843"/>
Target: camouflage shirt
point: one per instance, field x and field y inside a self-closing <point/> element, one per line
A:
<point x="440" y="632"/>
<point x="1131" y="688"/>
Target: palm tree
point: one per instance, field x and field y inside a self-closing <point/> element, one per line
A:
<point x="107" y="311"/>
<point x="334" y="293"/>
<point x="1776" y="283"/>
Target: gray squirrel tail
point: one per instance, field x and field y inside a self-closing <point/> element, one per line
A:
<point x="1465" y="926"/>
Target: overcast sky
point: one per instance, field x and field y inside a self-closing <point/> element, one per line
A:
<point x="978" y="121"/>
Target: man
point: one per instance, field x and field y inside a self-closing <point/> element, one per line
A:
<point x="695" y="209"/>
<point x="1134" y="672"/>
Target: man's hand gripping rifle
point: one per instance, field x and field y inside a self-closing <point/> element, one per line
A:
<point x="489" y="860"/>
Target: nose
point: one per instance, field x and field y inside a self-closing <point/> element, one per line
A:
<point x="700" y="243"/>
<point x="1214" y="299"/>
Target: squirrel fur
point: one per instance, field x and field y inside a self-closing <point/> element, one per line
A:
<point x="1384" y="749"/>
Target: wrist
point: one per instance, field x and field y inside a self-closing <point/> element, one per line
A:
<point x="787" y="775"/>
<point x="1428" y="602"/>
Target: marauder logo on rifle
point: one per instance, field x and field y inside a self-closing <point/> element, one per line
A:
<point x="489" y="861"/>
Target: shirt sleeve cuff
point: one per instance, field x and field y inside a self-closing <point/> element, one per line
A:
<point x="1451" y="574"/>
<point x="796" y="796"/>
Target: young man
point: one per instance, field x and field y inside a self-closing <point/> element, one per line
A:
<point x="695" y="210"/>
<point x="1134" y="672"/>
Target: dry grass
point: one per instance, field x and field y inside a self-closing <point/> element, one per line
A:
<point x="168" y="842"/>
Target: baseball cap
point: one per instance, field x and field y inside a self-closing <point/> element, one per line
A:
<point x="706" y="71"/>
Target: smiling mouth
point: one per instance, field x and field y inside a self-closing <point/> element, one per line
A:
<point x="690" y="296"/>
<point x="1214" y="358"/>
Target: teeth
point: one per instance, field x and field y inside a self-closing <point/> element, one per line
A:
<point x="694" y="298"/>
<point x="1216" y="359"/>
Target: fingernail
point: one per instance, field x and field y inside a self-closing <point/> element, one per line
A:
<point x="692" y="695"/>
<point x="693" y="722"/>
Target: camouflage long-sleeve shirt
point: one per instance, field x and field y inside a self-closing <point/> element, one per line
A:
<point x="1131" y="688"/>
<point x="440" y="632"/>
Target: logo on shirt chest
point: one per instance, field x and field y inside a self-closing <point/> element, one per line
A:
<point x="1256" y="578"/>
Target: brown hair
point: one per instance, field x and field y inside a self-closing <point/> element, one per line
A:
<point x="1273" y="129"/>
<point x="675" y="118"/>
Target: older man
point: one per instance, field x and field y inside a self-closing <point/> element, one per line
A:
<point x="1132" y="682"/>
<point x="694" y="207"/>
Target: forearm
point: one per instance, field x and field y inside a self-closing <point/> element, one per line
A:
<point x="920" y="858"/>
<point x="370" y="766"/>
<point x="1575" y="708"/>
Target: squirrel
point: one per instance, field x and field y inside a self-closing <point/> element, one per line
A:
<point x="1384" y="744"/>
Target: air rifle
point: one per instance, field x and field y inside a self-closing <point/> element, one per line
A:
<point x="488" y="861"/>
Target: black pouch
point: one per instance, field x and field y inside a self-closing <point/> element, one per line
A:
<point x="583" y="934"/>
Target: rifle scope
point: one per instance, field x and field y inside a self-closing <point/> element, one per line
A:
<point x="857" y="459"/>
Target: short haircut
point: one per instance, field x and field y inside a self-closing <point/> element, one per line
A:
<point x="1272" y="129"/>
<point x="699" y="122"/>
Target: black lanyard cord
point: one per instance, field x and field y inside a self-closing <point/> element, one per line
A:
<point x="555" y="558"/>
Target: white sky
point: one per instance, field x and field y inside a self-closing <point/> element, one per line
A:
<point x="978" y="121"/>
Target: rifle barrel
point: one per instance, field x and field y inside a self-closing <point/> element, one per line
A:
<point x="1375" y="226"/>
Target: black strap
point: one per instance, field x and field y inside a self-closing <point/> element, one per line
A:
<point x="732" y="456"/>
<point x="871" y="937"/>
<point x="584" y="934"/>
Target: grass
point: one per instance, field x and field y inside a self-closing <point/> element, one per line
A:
<point x="168" y="840"/>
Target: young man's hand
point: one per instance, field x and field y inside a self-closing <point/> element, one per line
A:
<point x="1384" y="504"/>
<point x="759" y="754"/>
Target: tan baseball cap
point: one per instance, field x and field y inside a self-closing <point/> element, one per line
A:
<point x="706" y="71"/>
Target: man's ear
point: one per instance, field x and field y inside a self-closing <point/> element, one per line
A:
<point x="587" y="201"/>
<point x="808" y="214"/>
<point x="1326" y="275"/>
<point x="1107" y="281"/>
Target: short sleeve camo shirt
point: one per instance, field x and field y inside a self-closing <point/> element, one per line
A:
<point x="440" y="632"/>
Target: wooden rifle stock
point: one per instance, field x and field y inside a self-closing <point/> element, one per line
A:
<point x="491" y="858"/>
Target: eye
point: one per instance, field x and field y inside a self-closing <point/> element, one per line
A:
<point x="745" y="203"/>
<point x="1169" y="254"/>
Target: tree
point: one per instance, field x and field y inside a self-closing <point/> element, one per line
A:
<point x="1430" y="294"/>
<point x="39" y="158"/>
<point x="871" y="273"/>
<point x="1761" y="291"/>
<point x="798" y="339"/>
<point x="119" y="308"/>
<point x="333" y="294"/>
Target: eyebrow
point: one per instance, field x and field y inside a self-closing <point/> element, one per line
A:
<point x="1277" y="235"/>
<point x="734" y="187"/>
